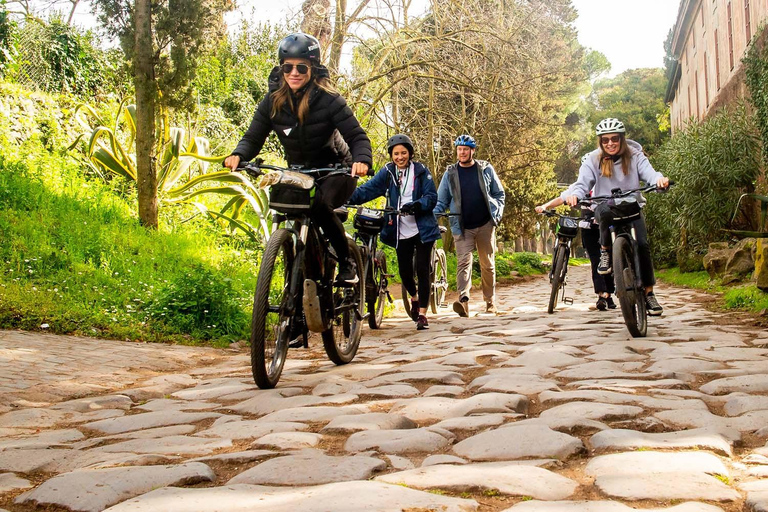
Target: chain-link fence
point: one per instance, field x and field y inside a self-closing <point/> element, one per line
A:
<point x="31" y="69"/>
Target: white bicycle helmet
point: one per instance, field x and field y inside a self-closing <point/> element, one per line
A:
<point x="610" y="125"/>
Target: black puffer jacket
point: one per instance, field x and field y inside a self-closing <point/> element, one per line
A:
<point x="330" y="134"/>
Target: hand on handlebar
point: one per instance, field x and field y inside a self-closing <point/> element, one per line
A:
<point x="231" y="162"/>
<point x="410" y="208"/>
<point x="359" y="169"/>
<point x="572" y="200"/>
<point x="662" y="182"/>
<point x="540" y="208"/>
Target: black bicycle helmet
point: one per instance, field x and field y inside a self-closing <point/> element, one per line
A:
<point x="299" y="46"/>
<point x="400" y="139"/>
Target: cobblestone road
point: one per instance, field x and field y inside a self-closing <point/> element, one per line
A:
<point x="522" y="411"/>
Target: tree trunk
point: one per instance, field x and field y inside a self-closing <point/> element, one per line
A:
<point x="144" y="82"/>
<point x="337" y="39"/>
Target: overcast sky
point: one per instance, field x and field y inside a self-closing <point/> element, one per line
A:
<point x="630" y="33"/>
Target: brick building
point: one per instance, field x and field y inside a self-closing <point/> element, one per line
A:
<point x="709" y="40"/>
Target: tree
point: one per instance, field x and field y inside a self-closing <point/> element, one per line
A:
<point x="163" y="41"/>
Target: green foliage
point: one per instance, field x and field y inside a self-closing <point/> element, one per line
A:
<point x="199" y="302"/>
<point x="748" y="298"/>
<point x="713" y="162"/>
<point x="74" y="257"/>
<point x="741" y="297"/>
<point x="7" y="42"/>
<point x="756" y="69"/>
<point x="636" y="97"/>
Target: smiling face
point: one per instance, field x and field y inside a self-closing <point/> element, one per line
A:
<point x="294" y="78"/>
<point x="400" y="155"/>
<point x="465" y="154"/>
<point x="611" y="143"/>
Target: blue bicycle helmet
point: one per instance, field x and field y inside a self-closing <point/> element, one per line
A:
<point x="465" y="140"/>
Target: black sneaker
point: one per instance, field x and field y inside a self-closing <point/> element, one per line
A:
<point x="462" y="307"/>
<point x="422" y="323"/>
<point x="604" y="267"/>
<point x="652" y="305"/>
<point x="602" y="303"/>
<point x="347" y="273"/>
<point x="415" y="310"/>
<point x="611" y="304"/>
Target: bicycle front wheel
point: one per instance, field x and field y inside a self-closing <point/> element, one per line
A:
<point x="630" y="292"/>
<point x="271" y="322"/>
<point x="439" y="281"/>
<point x="378" y="298"/>
<point x="558" y="277"/>
<point x="342" y="339"/>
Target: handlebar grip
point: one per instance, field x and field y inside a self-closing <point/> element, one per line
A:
<point x="371" y="171"/>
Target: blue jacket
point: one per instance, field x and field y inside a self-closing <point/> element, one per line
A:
<point x="384" y="183"/>
<point x="449" y="194"/>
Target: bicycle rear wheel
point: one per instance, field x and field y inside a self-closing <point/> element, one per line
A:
<point x="439" y="281"/>
<point x="342" y="339"/>
<point x="630" y="292"/>
<point x="271" y="323"/>
<point x="558" y="276"/>
<point x="377" y="297"/>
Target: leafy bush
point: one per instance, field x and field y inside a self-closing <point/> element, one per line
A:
<point x="713" y="163"/>
<point x="200" y="302"/>
<point x="756" y="70"/>
<point x="74" y="257"/>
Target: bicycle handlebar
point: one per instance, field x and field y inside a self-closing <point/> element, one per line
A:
<point x="618" y="193"/>
<point x="255" y="168"/>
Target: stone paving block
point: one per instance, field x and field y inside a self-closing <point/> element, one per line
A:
<point x="148" y="420"/>
<point x="319" y="413"/>
<point x="310" y="468"/>
<point x="289" y="440"/>
<point x="518" y="442"/>
<point x="368" y="421"/>
<point x="94" y="490"/>
<point x="418" y="440"/>
<point x="505" y="477"/>
<point x="738" y="404"/>
<point x="655" y="462"/>
<point x="439" y="408"/>
<point x="617" y="439"/>
<point x="338" y="497"/>
<point x="604" y="506"/>
<point x="744" y="384"/>
<point x="250" y="429"/>
<point x="260" y="405"/>
<point x="665" y="486"/>
<point x="10" y="482"/>
<point x="47" y="439"/>
<point x="171" y="445"/>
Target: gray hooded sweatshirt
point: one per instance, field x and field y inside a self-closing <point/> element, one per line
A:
<point x="590" y="178"/>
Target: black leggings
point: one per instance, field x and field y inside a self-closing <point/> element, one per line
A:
<point x="605" y="215"/>
<point x="405" y="249"/>
<point x="590" y="239"/>
<point x="331" y="193"/>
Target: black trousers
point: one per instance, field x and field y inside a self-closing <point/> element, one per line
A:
<point x="590" y="239"/>
<point x="605" y="215"/>
<point x="331" y="193"/>
<point x="405" y="250"/>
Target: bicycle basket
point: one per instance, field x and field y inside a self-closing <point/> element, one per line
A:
<point x="369" y="221"/>
<point x="291" y="192"/>
<point x="567" y="227"/>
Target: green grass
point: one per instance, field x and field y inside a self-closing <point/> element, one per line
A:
<point x="742" y="297"/>
<point x="75" y="260"/>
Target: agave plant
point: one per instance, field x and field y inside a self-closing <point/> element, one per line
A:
<point x="183" y="166"/>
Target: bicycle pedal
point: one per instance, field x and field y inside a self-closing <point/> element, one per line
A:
<point x="568" y="300"/>
<point x="297" y="343"/>
<point x="390" y="298"/>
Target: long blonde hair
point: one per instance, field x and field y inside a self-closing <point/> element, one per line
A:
<point x="283" y="94"/>
<point x="606" y="160"/>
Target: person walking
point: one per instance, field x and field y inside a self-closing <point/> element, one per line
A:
<point x="316" y="129"/>
<point x="471" y="189"/>
<point x="410" y="189"/>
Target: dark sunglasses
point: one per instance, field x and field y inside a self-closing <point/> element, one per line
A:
<point x="612" y="138"/>
<point x="303" y="69"/>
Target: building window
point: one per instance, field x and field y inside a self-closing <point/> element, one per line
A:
<point x="730" y="36"/>
<point x="747" y="21"/>
<point x="706" y="79"/>
<point x="717" y="61"/>
<point x="698" y="106"/>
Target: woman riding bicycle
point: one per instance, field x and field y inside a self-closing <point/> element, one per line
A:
<point x="316" y="129"/>
<point x="618" y="162"/>
<point x="410" y="189"/>
<point x="590" y="238"/>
